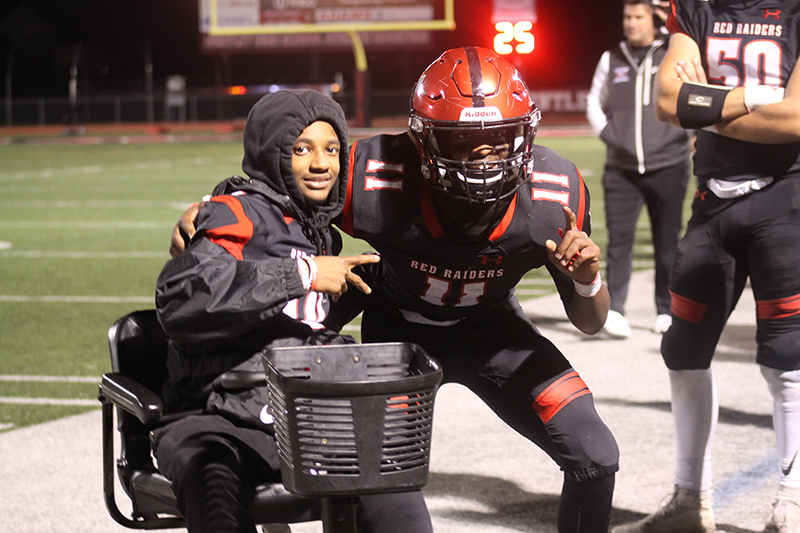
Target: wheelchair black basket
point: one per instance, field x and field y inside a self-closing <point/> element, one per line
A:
<point x="352" y="419"/>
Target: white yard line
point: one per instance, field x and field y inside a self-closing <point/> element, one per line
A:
<point x="51" y="379"/>
<point x="49" y="173"/>
<point x="99" y="224"/>
<point x="75" y="204"/>
<point x="83" y="255"/>
<point x="79" y="299"/>
<point x="47" y="401"/>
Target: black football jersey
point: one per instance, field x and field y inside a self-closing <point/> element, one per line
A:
<point x="742" y="43"/>
<point x="422" y="268"/>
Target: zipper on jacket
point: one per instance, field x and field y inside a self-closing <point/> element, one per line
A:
<point x="642" y="95"/>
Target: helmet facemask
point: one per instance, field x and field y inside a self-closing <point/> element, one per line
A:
<point x="478" y="162"/>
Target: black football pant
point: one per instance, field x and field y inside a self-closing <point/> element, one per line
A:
<point x="531" y="386"/>
<point x="727" y="242"/>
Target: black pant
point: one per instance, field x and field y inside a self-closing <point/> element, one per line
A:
<point x="663" y="191"/>
<point x="531" y="386"/>
<point x="214" y="473"/>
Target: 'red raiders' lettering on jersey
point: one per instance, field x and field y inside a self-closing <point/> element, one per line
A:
<point x="422" y="268"/>
<point x="741" y="44"/>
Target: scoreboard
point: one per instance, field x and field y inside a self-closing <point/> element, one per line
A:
<point x="514" y="21"/>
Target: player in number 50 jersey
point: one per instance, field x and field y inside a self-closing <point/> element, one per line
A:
<point x="730" y="73"/>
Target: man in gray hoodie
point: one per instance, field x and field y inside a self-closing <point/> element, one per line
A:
<point x="647" y="161"/>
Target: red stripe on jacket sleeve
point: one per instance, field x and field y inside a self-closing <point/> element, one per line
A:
<point x="232" y="237"/>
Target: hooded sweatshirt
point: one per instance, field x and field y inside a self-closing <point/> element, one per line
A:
<point x="237" y="287"/>
<point x="621" y="110"/>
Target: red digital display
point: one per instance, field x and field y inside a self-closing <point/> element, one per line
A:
<point x="514" y="37"/>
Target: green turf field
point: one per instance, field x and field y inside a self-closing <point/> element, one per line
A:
<point x="84" y="233"/>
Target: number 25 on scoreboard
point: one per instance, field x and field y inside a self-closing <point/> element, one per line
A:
<point x="520" y="32"/>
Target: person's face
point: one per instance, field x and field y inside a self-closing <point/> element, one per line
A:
<point x="315" y="161"/>
<point x="479" y="145"/>
<point x="637" y="24"/>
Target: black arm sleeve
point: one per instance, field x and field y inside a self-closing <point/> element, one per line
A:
<point x="206" y="294"/>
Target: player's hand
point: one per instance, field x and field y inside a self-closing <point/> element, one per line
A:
<point x="335" y="272"/>
<point x="661" y="9"/>
<point x="691" y="71"/>
<point x="184" y="230"/>
<point x="577" y="255"/>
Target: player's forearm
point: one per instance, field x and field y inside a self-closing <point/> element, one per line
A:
<point x="772" y="124"/>
<point x="668" y="82"/>
<point x="589" y="314"/>
<point x="665" y="98"/>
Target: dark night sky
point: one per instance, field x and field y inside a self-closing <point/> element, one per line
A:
<point x="570" y="36"/>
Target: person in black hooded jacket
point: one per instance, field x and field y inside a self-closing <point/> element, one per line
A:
<point x="260" y="271"/>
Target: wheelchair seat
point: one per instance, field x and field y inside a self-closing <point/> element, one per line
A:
<point x="138" y="348"/>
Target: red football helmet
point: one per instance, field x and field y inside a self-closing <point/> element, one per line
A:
<point x="475" y="122"/>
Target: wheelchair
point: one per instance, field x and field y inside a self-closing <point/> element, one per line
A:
<point x="128" y="394"/>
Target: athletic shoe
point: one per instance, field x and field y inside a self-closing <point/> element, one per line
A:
<point x="785" y="517"/>
<point x="689" y="511"/>
<point x="616" y="326"/>
<point x="663" y="322"/>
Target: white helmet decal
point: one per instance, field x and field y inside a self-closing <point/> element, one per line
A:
<point x="480" y="114"/>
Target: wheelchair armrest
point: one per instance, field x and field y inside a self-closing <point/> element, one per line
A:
<point x="233" y="381"/>
<point x="133" y="397"/>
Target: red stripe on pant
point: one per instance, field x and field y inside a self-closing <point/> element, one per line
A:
<point x="779" y="308"/>
<point x="558" y="395"/>
<point x="686" y="309"/>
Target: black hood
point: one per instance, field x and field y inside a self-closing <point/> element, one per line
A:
<point x="272" y="127"/>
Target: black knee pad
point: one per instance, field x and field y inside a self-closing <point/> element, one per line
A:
<point x="586" y="446"/>
<point x="779" y="343"/>
<point x="686" y="346"/>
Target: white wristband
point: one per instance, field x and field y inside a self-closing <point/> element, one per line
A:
<point x="312" y="265"/>
<point x="308" y="272"/>
<point x="587" y="291"/>
<point x="757" y="96"/>
<point x="305" y="273"/>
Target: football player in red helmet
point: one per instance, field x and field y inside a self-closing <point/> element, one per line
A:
<point x="475" y="121"/>
<point x="460" y="208"/>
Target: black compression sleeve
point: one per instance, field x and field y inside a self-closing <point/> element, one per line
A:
<point x="700" y="105"/>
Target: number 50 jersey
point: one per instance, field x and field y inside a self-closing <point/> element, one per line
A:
<point x="742" y="43"/>
<point x="426" y="270"/>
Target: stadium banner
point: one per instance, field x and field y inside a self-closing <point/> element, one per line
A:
<point x="280" y="25"/>
<point x="513" y="11"/>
